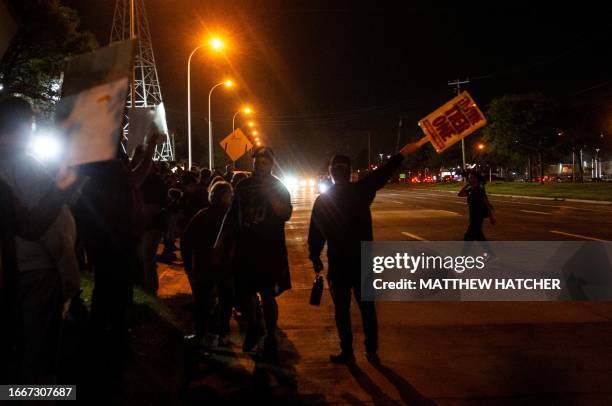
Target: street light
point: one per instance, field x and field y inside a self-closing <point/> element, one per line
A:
<point x="228" y="84"/>
<point x="480" y="146"/>
<point x="251" y="124"/>
<point x="245" y="110"/>
<point x="217" y="45"/>
<point x="254" y="132"/>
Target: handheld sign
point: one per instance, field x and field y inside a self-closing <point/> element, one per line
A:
<point x="236" y="144"/>
<point x="92" y="120"/>
<point x="142" y="121"/>
<point x="452" y="122"/>
<point x="93" y="100"/>
<point x="104" y="65"/>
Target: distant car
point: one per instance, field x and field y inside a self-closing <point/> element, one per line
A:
<point x="295" y="183"/>
<point x="324" y="182"/>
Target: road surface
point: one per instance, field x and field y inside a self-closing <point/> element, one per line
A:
<point x="432" y="353"/>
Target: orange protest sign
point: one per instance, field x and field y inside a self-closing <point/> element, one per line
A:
<point x="452" y="122"/>
<point x="236" y="144"/>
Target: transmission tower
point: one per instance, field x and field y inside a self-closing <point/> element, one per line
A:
<point x="130" y="21"/>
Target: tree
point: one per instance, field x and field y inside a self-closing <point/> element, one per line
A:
<point x="522" y="127"/>
<point x="33" y="63"/>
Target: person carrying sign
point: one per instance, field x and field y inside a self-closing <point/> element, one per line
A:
<point x="342" y="218"/>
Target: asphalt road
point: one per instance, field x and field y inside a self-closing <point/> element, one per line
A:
<point x="457" y="352"/>
<point x="449" y="353"/>
<point x="404" y="213"/>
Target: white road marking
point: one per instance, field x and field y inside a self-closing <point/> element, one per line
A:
<point x="510" y="201"/>
<point x="533" y="211"/>
<point x="584" y="237"/>
<point x="413" y="236"/>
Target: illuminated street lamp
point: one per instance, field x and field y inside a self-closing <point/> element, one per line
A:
<point x="480" y="146"/>
<point x="216" y="44"/>
<point x="245" y="110"/>
<point x="227" y="83"/>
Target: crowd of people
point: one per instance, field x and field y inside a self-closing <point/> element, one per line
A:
<point x="111" y="218"/>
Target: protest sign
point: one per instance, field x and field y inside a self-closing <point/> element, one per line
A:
<point x="92" y="121"/>
<point x="452" y="122"/>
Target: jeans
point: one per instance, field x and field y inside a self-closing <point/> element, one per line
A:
<point x="341" y="295"/>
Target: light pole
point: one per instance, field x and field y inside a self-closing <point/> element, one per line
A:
<point x="246" y="110"/>
<point x="189" y="104"/>
<point x="215" y="44"/>
<point x="227" y="83"/>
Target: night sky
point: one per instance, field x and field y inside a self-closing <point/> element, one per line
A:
<point x="321" y="75"/>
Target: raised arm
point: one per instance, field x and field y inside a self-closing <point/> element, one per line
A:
<point x="379" y="177"/>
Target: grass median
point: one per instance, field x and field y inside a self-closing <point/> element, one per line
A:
<point x="586" y="191"/>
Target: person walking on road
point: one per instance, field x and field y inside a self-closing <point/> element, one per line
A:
<point x="342" y="218"/>
<point x="254" y="229"/>
<point x="479" y="206"/>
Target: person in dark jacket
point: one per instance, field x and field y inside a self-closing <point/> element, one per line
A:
<point x="254" y="229"/>
<point x="205" y="275"/>
<point x="342" y="218"/>
<point x="479" y="207"/>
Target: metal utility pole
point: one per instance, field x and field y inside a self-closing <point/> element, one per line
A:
<point x="369" y="150"/>
<point x="457" y="83"/>
<point x="399" y="134"/>
<point x="130" y="21"/>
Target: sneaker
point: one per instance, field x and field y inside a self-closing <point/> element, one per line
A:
<point x="372" y="358"/>
<point x="347" y="358"/>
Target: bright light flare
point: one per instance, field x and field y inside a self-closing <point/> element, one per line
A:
<point x="45" y="146"/>
<point x="290" y="182"/>
<point x="217" y="44"/>
<point x="228" y="83"/>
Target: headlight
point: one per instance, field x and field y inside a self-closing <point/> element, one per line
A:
<point x="323" y="187"/>
<point x="290" y="181"/>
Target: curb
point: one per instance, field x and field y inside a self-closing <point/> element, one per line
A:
<point x="552" y="199"/>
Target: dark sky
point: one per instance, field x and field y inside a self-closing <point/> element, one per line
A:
<point x="321" y="75"/>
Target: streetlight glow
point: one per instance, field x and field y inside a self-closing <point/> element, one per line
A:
<point x="217" y="44"/>
<point x="254" y="132"/>
<point x="228" y="83"/>
<point x="247" y="110"/>
<point x="480" y="146"/>
<point x="251" y="124"/>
